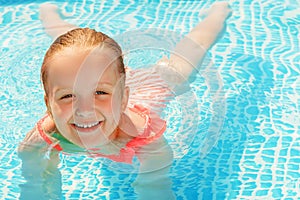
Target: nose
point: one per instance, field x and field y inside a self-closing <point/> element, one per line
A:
<point x="84" y="108"/>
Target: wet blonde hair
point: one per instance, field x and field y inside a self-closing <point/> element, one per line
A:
<point x="83" y="38"/>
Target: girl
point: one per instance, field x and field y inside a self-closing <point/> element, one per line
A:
<point x="90" y="110"/>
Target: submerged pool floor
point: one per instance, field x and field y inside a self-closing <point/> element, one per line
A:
<point x="256" y="151"/>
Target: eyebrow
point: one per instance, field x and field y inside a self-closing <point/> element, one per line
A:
<point x="71" y="89"/>
<point x="61" y="90"/>
<point x="105" y="83"/>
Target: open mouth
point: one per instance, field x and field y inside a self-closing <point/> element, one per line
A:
<point x="86" y="127"/>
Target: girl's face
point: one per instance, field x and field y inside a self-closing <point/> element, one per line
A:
<point x="86" y="96"/>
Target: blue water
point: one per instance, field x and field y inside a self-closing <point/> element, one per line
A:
<point x="256" y="154"/>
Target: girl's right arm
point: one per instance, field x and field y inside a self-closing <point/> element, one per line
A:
<point x="39" y="168"/>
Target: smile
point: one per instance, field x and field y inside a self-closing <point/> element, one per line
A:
<point x="87" y="125"/>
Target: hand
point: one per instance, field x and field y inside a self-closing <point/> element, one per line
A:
<point x="221" y="9"/>
<point x="48" y="10"/>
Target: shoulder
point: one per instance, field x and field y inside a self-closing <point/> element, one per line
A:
<point x="151" y="136"/>
<point x="147" y="122"/>
<point x="32" y="141"/>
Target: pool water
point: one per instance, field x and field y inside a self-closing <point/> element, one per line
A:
<point x="255" y="153"/>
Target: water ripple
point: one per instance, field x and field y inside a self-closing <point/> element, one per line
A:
<point x="257" y="151"/>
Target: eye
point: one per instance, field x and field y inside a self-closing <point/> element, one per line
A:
<point x="67" y="96"/>
<point x="101" y="92"/>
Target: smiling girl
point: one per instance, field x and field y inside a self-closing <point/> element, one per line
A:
<point x="89" y="108"/>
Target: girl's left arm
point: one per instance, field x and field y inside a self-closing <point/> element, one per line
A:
<point x="153" y="180"/>
<point x="190" y="51"/>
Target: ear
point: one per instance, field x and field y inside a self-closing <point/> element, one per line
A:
<point x="48" y="106"/>
<point x="125" y="98"/>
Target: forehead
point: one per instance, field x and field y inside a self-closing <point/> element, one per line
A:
<point x="71" y="66"/>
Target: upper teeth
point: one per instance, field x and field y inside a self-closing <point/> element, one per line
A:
<point x="87" y="125"/>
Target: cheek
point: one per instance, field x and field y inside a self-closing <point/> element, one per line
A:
<point x="60" y="112"/>
<point x="117" y="102"/>
<point x="111" y="108"/>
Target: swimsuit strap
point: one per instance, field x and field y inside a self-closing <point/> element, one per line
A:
<point x="44" y="135"/>
<point x="154" y="128"/>
<point x="145" y="114"/>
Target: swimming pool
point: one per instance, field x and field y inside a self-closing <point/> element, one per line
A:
<point x="257" y="151"/>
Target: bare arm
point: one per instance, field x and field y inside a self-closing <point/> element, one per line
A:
<point x="52" y="22"/>
<point x="190" y="51"/>
<point x="153" y="181"/>
<point x="39" y="168"/>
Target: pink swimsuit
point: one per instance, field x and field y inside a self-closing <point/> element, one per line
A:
<point x="154" y="129"/>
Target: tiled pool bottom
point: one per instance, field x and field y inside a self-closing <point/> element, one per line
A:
<point x="239" y="167"/>
<point x="257" y="155"/>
